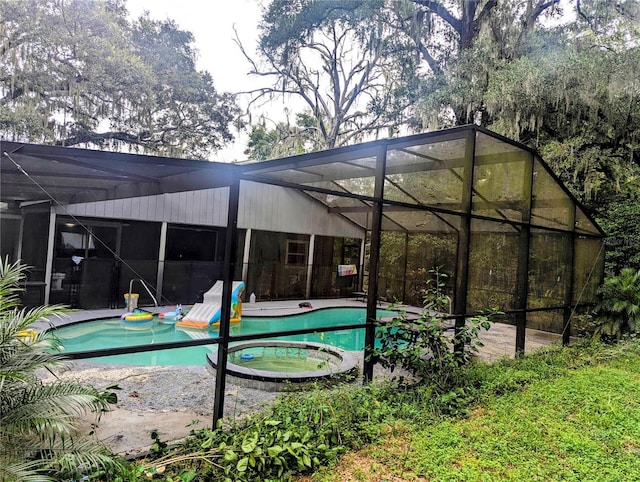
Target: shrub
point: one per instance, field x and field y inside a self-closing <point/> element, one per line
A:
<point x="434" y="295"/>
<point x="618" y="313"/>
<point x="39" y="422"/>
<point x="298" y="434"/>
<point x="421" y="346"/>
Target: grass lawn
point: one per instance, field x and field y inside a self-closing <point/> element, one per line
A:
<point x="572" y="421"/>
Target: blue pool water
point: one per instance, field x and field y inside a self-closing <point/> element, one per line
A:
<point x="99" y="334"/>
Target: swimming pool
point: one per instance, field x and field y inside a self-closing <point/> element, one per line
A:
<point x="95" y="335"/>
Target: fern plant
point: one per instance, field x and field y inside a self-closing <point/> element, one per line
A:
<point x="39" y="438"/>
<point x="619" y="311"/>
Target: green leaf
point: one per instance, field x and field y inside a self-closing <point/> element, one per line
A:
<point x="187" y="476"/>
<point x="249" y="443"/>
<point x="274" y="451"/>
<point x="230" y="456"/>
<point x="206" y="443"/>
<point x="243" y="464"/>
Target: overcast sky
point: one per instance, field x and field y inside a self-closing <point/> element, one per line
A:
<point x="212" y="22"/>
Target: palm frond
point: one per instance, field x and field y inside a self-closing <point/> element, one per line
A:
<point x="53" y="409"/>
<point x="85" y="455"/>
<point x="11" y="274"/>
<point x="39" y="422"/>
<point x="68" y="458"/>
<point x="18" y="319"/>
<point x="620" y="303"/>
<point x="16" y="361"/>
<point x="21" y="471"/>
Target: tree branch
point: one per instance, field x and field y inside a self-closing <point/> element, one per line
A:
<point x="414" y="33"/>
<point x="443" y="13"/>
<point x="486" y="11"/>
<point x="97" y="138"/>
<point x="530" y="19"/>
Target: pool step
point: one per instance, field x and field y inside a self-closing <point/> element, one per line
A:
<point x="197" y="335"/>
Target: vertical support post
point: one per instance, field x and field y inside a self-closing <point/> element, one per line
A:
<point x="245" y="255"/>
<point x="522" y="271"/>
<point x="404" y="268"/>
<point x="312" y="243"/>
<point x="363" y="246"/>
<point x="20" y="237"/>
<point x="118" y="241"/>
<point x="464" y="235"/>
<point x="522" y="288"/>
<point x="230" y="247"/>
<point x="570" y="259"/>
<point x="162" y="253"/>
<point x="374" y="257"/>
<point x="50" y="246"/>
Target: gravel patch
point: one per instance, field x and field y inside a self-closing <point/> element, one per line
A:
<point x="170" y="388"/>
<point x="163" y="388"/>
<point x="168" y="400"/>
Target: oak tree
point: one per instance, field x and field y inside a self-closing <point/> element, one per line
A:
<point x="77" y="72"/>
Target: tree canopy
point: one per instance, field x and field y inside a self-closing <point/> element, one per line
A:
<point x="284" y="139"/>
<point x="559" y="75"/>
<point x="340" y="60"/>
<point x="79" y="72"/>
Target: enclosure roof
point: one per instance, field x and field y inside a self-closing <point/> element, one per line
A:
<point x="424" y="172"/>
<point x="32" y="173"/>
<point x="422" y="176"/>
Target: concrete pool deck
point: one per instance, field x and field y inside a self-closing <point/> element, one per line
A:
<point x="499" y="341"/>
<point x="170" y="399"/>
<point x="260" y="308"/>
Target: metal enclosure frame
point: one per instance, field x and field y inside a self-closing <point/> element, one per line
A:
<point x="502" y="218"/>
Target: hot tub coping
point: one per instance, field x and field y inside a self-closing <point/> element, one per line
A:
<point x="347" y="364"/>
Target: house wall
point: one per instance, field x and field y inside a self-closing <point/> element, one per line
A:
<point x="262" y="206"/>
<point x="284" y="213"/>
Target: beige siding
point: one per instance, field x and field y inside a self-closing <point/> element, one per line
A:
<point x="262" y="206"/>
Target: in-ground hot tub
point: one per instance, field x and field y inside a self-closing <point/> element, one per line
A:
<point x="274" y="365"/>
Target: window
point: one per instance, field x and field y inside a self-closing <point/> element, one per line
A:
<point x="297" y="252"/>
<point x="186" y="243"/>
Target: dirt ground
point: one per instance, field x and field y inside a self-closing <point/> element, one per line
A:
<point x="129" y="432"/>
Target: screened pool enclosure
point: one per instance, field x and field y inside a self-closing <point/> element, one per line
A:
<point x="484" y="210"/>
